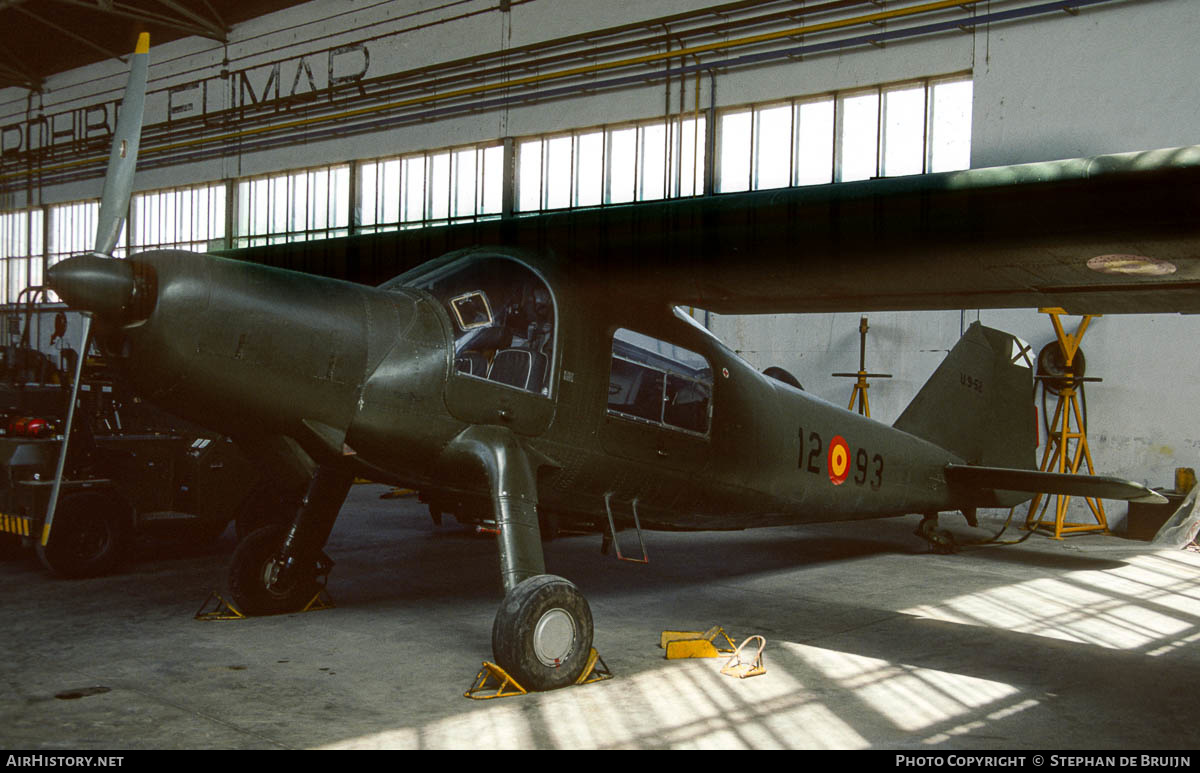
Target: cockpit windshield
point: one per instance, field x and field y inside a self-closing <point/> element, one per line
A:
<point x="503" y="316"/>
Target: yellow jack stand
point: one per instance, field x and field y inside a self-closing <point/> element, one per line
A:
<point x="859" y="394"/>
<point x="736" y="667"/>
<point x="694" y="644"/>
<point x="505" y="686"/>
<point x="1066" y="426"/>
<point x="225" y="610"/>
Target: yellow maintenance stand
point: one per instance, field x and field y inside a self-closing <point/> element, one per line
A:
<point x="859" y="394"/>
<point x="1067" y="448"/>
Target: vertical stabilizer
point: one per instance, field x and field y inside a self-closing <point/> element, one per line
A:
<point x="978" y="404"/>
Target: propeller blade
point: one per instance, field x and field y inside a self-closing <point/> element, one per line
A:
<point x="62" y="452"/>
<point x="122" y="160"/>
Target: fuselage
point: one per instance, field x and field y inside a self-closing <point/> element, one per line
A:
<point x="617" y="405"/>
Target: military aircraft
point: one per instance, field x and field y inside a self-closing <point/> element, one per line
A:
<point x="515" y="386"/>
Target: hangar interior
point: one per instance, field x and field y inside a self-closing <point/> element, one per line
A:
<point x="282" y="131"/>
<point x="586" y="107"/>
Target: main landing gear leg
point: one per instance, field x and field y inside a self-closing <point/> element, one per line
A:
<point x="542" y="634"/>
<point x="276" y="568"/>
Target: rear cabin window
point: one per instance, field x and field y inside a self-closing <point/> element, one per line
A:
<point x="658" y="382"/>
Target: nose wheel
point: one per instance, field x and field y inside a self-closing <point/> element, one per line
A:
<point x="542" y="634"/>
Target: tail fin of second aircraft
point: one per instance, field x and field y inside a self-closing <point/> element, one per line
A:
<point x="978" y="403"/>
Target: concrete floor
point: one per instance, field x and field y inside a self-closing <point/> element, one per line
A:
<point x="872" y="643"/>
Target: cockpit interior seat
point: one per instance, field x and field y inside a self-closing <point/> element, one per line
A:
<point x="520" y="368"/>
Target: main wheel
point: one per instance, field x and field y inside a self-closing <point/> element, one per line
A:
<point x="88" y="536"/>
<point x="256" y="580"/>
<point x="542" y="634"/>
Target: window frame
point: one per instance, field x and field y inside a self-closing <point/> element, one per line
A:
<point x="738" y="145"/>
<point x="666" y="374"/>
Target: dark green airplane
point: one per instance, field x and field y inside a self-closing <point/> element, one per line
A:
<point x="508" y="387"/>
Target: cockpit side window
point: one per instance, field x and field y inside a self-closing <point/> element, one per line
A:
<point x="503" y="315"/>
<point x="658" y="382"/>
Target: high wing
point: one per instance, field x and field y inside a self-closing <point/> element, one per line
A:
<point x="1015" y="237"/>
<point x="1114" y="234"/>
<point x="1005" y="237"/>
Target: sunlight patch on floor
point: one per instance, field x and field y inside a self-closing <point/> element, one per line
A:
<point x="685" y="704"/>
<point x="911" y="697"/>
<point x="1129" y="607"/>
<point x="979" y="724"/>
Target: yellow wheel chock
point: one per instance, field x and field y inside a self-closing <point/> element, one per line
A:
<point x="595" y="670"/>
<point x="503" y="682"/>
<point x="694" y="644"/>
<point x="225" y="610"/>
<point x="221" y="609"/>
<point x="740" y="668"/>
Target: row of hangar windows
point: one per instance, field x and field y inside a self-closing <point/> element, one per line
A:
<point x="887" y="130"/>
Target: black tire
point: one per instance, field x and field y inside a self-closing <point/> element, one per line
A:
<point x="251" y="569"/>
<point x="266" y="505"/>
<point x="542" y="634"/>
<point x="89" y="535"/>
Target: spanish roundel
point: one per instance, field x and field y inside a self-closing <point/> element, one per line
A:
<point x="839" y="460"/>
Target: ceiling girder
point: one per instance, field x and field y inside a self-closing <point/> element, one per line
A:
<point x="185" y="21"/>
<point x="69" y="33"/>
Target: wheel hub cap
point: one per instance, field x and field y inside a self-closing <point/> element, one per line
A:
<point x="554" y="637"/>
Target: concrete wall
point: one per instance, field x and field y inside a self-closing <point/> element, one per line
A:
<point x="1114" y="77"/>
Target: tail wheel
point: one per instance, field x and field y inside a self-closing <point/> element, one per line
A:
<point x="542" y="634"/>
<point x="940" y="541"/>
<point x="257" y="583"/>
<point x="88" y="536"/>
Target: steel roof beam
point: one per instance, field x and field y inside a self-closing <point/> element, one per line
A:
<point x="73" y="35"/>
<point x="206" y="29"/>
<point x="215" y="27"/>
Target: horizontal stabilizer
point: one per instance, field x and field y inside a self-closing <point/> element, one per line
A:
<point x="1035" y="482"/>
